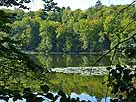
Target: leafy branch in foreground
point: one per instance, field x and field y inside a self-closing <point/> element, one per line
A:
<point x="10" y="3"/>
<point x="122" y="81"/>
<point x="131" y="37"/>
<point x="117" y="72"/>
<point x="8" y="47"/>
<point x="117" y="45"/>
<point x="123" y="10"/>
<point x="9" y="51"/>
<point x="44" y="95"/>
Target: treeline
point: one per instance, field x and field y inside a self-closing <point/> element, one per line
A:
<point x="94" y="29"/>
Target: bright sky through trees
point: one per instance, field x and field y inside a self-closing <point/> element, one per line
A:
<point x="77" y="4"/>
<point x="84" y="4"/>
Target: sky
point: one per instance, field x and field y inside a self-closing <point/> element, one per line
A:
<point x="77" y="4"/>
<point x="85" y="4"/>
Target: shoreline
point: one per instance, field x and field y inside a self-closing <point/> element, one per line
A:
<point x="64" y="53"/>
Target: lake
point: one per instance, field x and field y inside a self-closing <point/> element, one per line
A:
<point x="84" y="87"/>
<point x="75" y="85"/>
<point x="80" y="60"/>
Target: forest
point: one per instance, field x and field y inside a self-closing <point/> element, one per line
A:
<point x="91" y="30"/>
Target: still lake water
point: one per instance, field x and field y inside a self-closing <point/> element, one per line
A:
<point x="71" y="60"/>
<point x="75" y="85"/>
<point x="81" y="60"/>
<point x="85" y="87"/>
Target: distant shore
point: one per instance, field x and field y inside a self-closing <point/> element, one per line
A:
<point x="31" y="52"/>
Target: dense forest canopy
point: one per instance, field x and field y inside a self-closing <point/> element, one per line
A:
<point x="73" y="31"/>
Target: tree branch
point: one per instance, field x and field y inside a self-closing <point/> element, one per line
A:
<point x="123" y="10"/>
<point x="113" y="48"/>
<point x="120" y="32"/>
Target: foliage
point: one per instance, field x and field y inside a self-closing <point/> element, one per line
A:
<point x="9" y="47"/>
<point x="10" y="3"/>
<point x="36" y="97"/>
<point x="48" y="35"/>
<point x="49" y="5"/>
<point x="64" y="31"/>
<point x="75" y="31"/>
<point x="98" y="3"/>
<point x="122" y="81"/>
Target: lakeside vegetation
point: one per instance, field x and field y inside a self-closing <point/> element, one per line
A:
<point x="91" y="30"/>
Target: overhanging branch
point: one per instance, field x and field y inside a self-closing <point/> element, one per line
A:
<point x="131" y="37"/>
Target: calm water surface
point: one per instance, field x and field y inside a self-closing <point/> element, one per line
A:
<point x="80" y="60"/>
<point x="85" y="87"/>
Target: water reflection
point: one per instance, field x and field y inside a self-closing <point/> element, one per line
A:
<point x="69" y="83"/>
<point x="86" y="97"/>
<point x="71" y="60"/>
<point x="73" y="84"/>
<point x="80" y="60"/>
